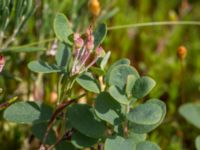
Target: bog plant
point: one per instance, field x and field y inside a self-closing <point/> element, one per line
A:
<point x="114" y="119"/>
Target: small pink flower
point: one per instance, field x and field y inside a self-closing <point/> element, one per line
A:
<point x="2" y="62"/>
<point x="99" y="51"/>
<point x="78" y="41"/>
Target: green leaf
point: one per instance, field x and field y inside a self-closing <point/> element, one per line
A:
<point x="39" y="131"/>
<point x="43" y="67"/>
<point x="191" y="113"/>
<point x="97" y="71"/>
<point x="24" y="49"/>
<point x="137" y="137"/>
<point x="139" y="128"/>
<point x="130" y="84"/>
<point x="143" y="86"/>
<point x="146" y="145"/>
<point x="118" y="95"/>
<point x="104" y="61"/>
<point x="108" y="109"/>
<point x="119" y="75"/>
<point x="27" y="112"/>
<point x="62" y="28"/>
<point x="197" y="142"/>
<point x="99" y="34"/>
<point x="119" y="62"/>
<point x="63" y="55"/>
<point x="119" y="143"/>
<point x="82" y="118"/>
<point x="145" y="114"/>
<point x="64" y="145"/>
<point x="88" y="82"/>
<point x="81" y="141"/>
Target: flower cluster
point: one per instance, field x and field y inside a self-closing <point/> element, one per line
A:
<point x="83" y="52"/>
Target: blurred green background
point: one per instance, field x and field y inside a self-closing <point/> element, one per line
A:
<point x="152" y="50"/>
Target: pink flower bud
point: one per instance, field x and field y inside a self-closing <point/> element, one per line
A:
<point x="99" y="50"/>
<point x="2" y="62"/>
<point x="90" y="45"/>
<point x="76" y="36"/>
<point x="78" y="41"/>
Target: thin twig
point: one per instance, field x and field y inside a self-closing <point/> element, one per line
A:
<point x="58" y="110"/>
<point x="161" y="23"/>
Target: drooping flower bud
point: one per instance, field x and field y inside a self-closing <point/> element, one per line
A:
<point x="94" y="7"/>
<point x="90" y="39"/>
<point x="78" y="41"/>
<point x="99" y="51"/>
<point x="90" y="45"/>
<point x="182" y="52"/>
<point x="2" y="62"/>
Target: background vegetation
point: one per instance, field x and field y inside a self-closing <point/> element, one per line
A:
<point x="152" y="50"/>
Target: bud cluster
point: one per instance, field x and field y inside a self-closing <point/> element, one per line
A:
<point x="83" y="51"/>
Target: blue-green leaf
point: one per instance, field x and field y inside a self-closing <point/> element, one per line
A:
<point x="119" y="62"/>
<point x="82" y="118"/>
<point x="119" y="143"/>
<point x="43" y="67"/>
<point x="146" y="145"/>
<point x="145" y="114"/>
<point x="39" y="131"/>
<point x="99" y="34"/>
<point x="88" y="82"/>
<point x="143" y="86"/>
<point x="108" y="109"/>
<point x="139" y="128"/>
<point x="62" y="28"/>
<point x="63" y="55"/>
<point x="119" y="75"/>
<point x="81" y="141"/>
<point x="118" y="95"/>
<point x="27" y="112"/>
<point x="191" y="113"/>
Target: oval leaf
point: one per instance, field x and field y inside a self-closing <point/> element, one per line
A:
<point x="145" y="114"/>
<point x="191" y="113"/>
<point x="43" y="67"/>
<point x="81" y="117"/>
<point x="88" y="82"/>
<point x="140" y="129"/>
<point x="146" y="145"/>
<point x="39" y="131"/>
<point x="62" y="28"/>
<point x="118" y="95"/>
<point x="119" y="143"/>
<point x="108" y="109"/>
<point x="99" y="34"/>
<point x="143" y="86"/>
<point x="63" y="55"/>
<point x="119" y="62"/>
<point x="27" y="112"/>
<point x="119" y="75"/>
<point x="81" y="141"/>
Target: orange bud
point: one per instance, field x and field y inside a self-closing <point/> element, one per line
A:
<point x="53" y="97"/>
<point x="182" y="52"/>
<point x="94" y="7"/>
